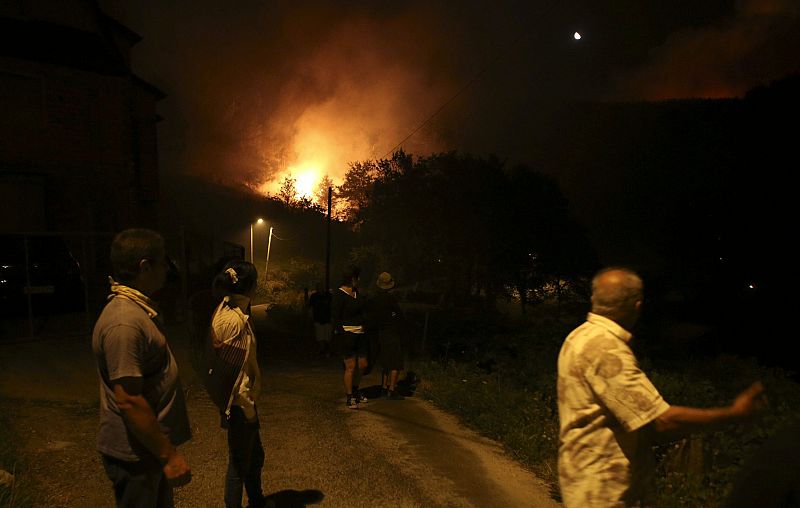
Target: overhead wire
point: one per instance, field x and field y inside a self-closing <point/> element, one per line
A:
<point x="498" y="55"/>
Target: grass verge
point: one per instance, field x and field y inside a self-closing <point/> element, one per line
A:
<point x="507" y="392"/>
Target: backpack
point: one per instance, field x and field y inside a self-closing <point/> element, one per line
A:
<point x="217" y="364"/>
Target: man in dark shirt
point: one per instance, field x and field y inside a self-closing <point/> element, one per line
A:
<point x="320" y="303"/>
<point x="770" y="478"/>
<point x="385" y="318"/>
<point x="348" y="325"/>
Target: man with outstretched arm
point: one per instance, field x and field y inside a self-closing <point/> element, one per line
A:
<point x="142" y="409"/>
<point x="609" y="411"/>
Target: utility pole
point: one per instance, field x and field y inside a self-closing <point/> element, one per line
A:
<point x="328" y="243"/>
<point x="251" y="243"/>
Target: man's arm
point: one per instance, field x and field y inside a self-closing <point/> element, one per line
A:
<point x="679" y="421"/>
<point x="142" y="422"/>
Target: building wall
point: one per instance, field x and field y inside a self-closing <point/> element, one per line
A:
<point x="82" y="141"/>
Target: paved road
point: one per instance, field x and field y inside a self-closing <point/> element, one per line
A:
<point x="392" y="453"/>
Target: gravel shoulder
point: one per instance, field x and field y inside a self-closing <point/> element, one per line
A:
<point x="400" y="453"/>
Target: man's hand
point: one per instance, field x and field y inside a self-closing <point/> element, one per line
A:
<point x="750" y="402"/>
<point x="141" y="421"/>
<point x="177" y="470"/>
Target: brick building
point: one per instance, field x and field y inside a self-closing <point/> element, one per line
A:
<point x="78" y="145"/>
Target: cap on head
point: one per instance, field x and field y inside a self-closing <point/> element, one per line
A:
<point x="385" y="281"/>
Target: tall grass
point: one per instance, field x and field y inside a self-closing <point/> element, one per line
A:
<point x="506" y="390"/>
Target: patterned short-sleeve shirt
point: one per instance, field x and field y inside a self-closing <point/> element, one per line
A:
<point x="604" y="398"/>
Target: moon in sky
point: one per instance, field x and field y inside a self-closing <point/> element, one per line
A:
<point x="577" y="36"/>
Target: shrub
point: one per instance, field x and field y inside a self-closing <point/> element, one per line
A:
<point x="506" y="391"/>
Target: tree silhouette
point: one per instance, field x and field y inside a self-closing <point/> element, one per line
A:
<point x="321" y="193"/>
<point x="467" y="223"/>
<point x="288" y="190"/>
<point x="355" y="189"/>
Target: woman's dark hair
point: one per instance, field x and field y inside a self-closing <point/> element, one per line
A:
<point x="238" y="277"/>
<point x="350" y="273"/>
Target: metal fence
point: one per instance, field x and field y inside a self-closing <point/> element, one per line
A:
<point x="51" y="283"/>
<point x="56" y="284"/>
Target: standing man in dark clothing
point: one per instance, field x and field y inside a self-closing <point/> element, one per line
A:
<point x="770" y="478"/>
<point x="385" y="318"/>
<point x="320" y="303"/>
<point x="142" y="410"/>
<point x="348" y="327"/>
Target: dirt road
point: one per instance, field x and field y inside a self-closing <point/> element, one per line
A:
<point x="391" y="453"/>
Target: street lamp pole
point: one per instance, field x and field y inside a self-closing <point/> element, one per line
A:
<point x="328" y="243"/>
<point x="269" y="246"/>
<point x="252" y="255"/>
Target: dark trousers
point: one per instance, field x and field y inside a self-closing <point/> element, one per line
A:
<point x="245" y="460"/>
<point x="139" y="484"/>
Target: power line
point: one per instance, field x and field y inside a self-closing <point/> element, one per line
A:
<point x="499" y="54"/>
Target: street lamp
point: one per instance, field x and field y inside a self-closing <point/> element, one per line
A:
<point x="269" y="246"/>
<point x="252" y="257"/>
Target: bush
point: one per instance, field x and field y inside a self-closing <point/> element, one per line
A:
<point x="507" y="391"/>
<point x="699" y="471"/>
<point x="286" y="285"/>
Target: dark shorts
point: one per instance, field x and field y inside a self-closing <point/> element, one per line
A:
<point x="350" y="345"/>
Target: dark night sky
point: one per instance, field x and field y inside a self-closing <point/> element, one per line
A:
<point x="259" y="88"/>
<point x="256" y="86"/>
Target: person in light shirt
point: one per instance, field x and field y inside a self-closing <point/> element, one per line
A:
<point x="143" y="417"/>
<point x="234" y="381"/>
<point x="609" y="411"/>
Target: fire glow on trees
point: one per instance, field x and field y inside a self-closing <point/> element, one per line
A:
<point x="305" y="88"/>
<point x="349" y="99"/>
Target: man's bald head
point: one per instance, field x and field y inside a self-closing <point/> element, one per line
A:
<point x="617" y="295"/>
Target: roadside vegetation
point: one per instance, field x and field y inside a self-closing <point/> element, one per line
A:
<point x="473" y="242"/>
<point x="503" y="385"/>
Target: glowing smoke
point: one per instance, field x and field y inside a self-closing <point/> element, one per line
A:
<point x="257" y="90"/>
<point x="757" y="45"/>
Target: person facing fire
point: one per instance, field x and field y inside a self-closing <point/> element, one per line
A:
<point x="142" y="409"/>
<point x="609" y="410"/>
<point x="320" y="305"/>
<point x="347" y="315"/>
<point x="234" y="381"/>
<point x="386" y="319"/>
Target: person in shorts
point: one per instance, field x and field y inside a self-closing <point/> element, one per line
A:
<point x="347" y="316"/>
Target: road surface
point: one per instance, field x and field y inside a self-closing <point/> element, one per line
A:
<point x="318" y="453"/>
